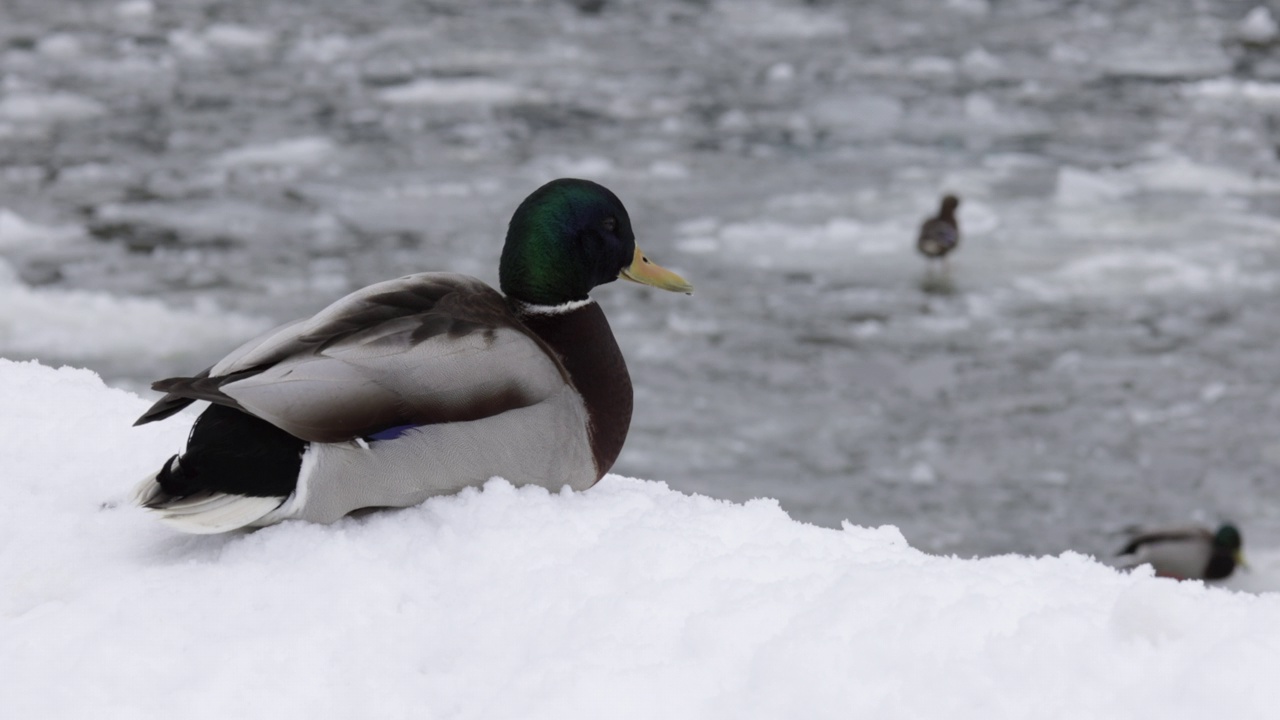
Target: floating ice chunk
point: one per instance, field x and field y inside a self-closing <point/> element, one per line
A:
<point x="225" y="37"/>
<point x="1077" y="187"/>
<point x="818" y="203"/>
<point x="1180" y="174"/>
<point x="775" y="244"/>
<point x="698" y="226"/>
<point x="669" y="169"/>
<point x="699" y="245"/>
<point x="1124" y="271"/>
<point x="734" y="120"/>
<point x="1067" y="361"/>
<point x="698" y="236"/>
<point x="61" y="46"/>
<point x="198" y="222"/>
<point x="1067" y="53"/>
<point x="922" y="473"/>
<point x="17" y="231"/>
<point x="79" y="325"/>
<point x="981" y="64"/>
<point x="931" y="65"/>
<point x="1212" y="392"/>
<point x="238" y="37"/>
<point x="981" y="108"/>
<point x="765" y="20"/>
<point x="781" y="72"/>
<point x="135" y="9"/>
<point x="458" y="91"/>
<point x="188" y="43"/>
<point x="561" y="166"/>
<point x="49" y="107"/>
<point x="864" y="329"/>
<point x="326" y="49"/>
<point x="861" y="115"/>
<point x="299" y="152"/>
<point x="1164" y="61"/>
<point x="978" y="8"/>
<point x="1258" y="26"/>
<point x="978" y="218"/>
<point x="691" y="324"/>
<point x="1262" y="93"/>
<point x="1053" y="477"/>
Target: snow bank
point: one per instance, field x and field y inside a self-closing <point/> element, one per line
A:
<point x="629" y="600"/>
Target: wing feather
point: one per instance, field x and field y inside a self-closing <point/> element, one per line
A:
<point x="1164" y="536"/>
<point x="423" y="349"/>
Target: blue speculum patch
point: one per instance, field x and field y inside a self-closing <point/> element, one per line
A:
<point x="391" y="433"/>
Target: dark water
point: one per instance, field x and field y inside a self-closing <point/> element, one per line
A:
<point x="1101" y="354"/>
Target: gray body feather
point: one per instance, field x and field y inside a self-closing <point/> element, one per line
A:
<point x="1180" y="553"/>
<point x="337" y="478"/>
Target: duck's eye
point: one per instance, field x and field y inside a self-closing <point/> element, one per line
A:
<point x="611" y="224"/>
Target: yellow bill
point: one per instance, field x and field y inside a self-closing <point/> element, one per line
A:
<point x="644" y="271"/>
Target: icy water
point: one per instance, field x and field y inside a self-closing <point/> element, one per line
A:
<point x="180" y="175"/>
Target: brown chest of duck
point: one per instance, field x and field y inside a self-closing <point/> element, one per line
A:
<point x="420" y="386"/>
<point x="940" y="234"/>
<point x="577" y="236"/>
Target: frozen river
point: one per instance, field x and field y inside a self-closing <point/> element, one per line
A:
<point x="176" y="177"/>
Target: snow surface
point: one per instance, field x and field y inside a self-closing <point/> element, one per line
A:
<point x="628" y="600"/>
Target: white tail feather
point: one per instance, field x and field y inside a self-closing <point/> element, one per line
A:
<point x="202" y="513"/>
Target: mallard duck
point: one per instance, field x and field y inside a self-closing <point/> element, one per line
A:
<point x="940" y="234"/>
<point x="1191" y="553"/>
<point x="420" y="386"/>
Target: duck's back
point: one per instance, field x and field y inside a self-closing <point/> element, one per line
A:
<point x="1177" y="554"/>
<point x="421" y="349"/>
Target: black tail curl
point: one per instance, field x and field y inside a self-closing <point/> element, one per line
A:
<point x="233" y="452"/>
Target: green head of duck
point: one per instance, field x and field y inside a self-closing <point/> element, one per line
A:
<point x="1228" y="540"/>
<point x="570" y="236"/>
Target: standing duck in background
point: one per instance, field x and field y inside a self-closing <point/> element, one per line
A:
<point x="420" y="386"/>
<point x="940" y="234"/>
<point x="1193" y="553"/>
